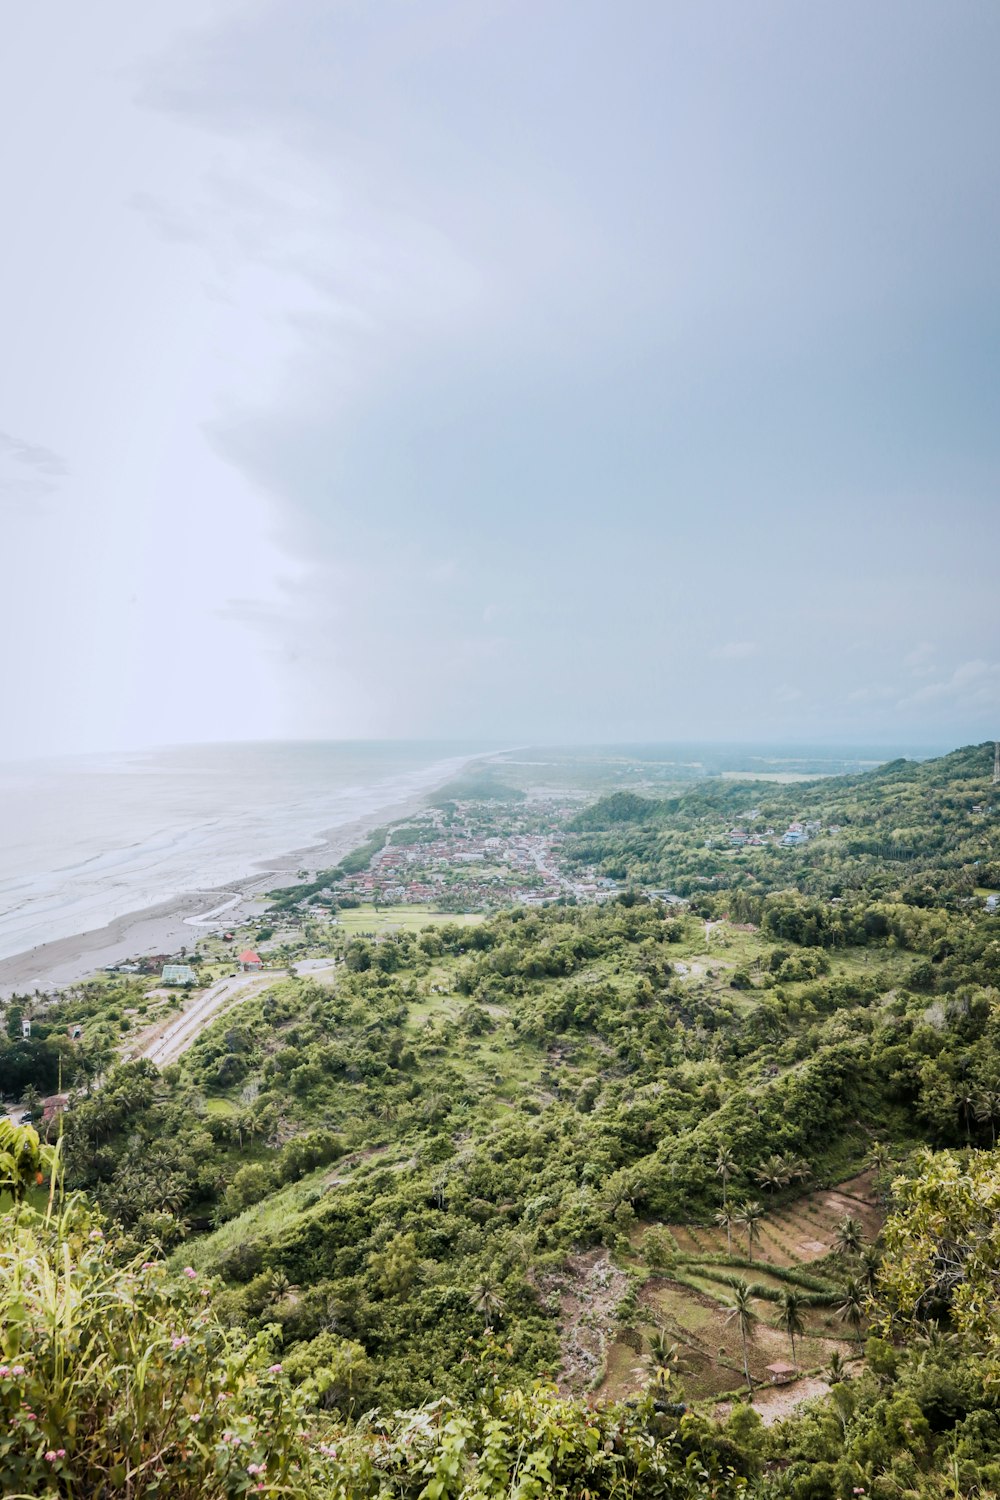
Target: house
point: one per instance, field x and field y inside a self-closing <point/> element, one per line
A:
<point x="53" y="1106"/>
<point x="781" y="1373"/>
<point x="250" y="960"/>
<point x="178" y="974"/>
<point x="25" y="1027"/>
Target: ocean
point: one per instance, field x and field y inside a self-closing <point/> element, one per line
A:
<point x="89" y="839"/>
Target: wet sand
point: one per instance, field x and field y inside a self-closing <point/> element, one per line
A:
<point x="175" y="924"/>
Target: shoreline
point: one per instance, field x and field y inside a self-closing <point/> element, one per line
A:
<point x="178" y="922"/>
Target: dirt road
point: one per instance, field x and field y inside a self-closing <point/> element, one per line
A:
<point x="166" y="1044"/>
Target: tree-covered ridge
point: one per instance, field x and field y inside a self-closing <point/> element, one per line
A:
<point x="120" y="1378"/>
<point x="927" y="830"/>
<point x="638" y="1148"/>
<point x="402" y="1159"/>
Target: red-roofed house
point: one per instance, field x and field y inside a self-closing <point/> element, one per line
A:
<point x="250" y="960"/>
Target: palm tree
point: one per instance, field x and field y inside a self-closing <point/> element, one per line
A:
<point x="850" y="1236"/>
<point x="870" y="1260"/>
<point x="836" y="1368"/>
<point x="791" y="1304"/>
<point x="988" y="1111"/>
<point x="798" y="1168"/>
<point x="852" y="1308"/>
<point x="773" y="1173"/>
<point x="725" y="1166"/>
<point x="967" y="1102"/>
<point x="750" y="1215"/>
<point x="725" y="1217"/>
<point x="662" y="1364"/>
<point x="488" y="1299"/>
<point x="742" y="1312"/>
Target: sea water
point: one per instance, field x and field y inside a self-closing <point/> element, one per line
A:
<point x="89" y="839"/>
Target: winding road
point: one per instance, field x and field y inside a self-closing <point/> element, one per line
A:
<point x="166" y="1044"/>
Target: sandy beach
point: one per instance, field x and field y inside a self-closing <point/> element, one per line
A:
<point x="178" y="923"/>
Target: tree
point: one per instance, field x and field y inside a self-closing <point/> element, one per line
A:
<point x="850" y="1236"/>
<point x="725" y="1217"/>
<point x="725" y="1166"/>
<point x="662" y="1364"/>
<point x="749" y="1215"/>
<point x="773" y="1173"/>
<point x="987" y="1110"/>
<point x="852" y="1307"/>
<point x="869" y="1261"/>
<point x="488" y="1299"/>
<point x="942" y="1248"/>
<point x="743" y="1313"/>
<point x="790" y="1306"/>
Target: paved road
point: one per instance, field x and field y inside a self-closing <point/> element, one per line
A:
<point x="184" y="1029"/>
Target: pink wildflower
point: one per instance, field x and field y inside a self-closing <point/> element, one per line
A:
<point x="274" y="1369"/>
<point x="190" y="1273"/>
<point x="256" y="1468"/>
<point x="17" y="1370"/>
<point x="51" y="1456"/>
<point x="4" y="1371"/>
<point x="179" y="1340"/>
<point x="97" y="1234"/>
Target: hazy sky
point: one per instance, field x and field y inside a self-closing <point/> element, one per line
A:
<point x="521" y="370"/>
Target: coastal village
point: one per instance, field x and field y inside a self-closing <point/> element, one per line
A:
<point x="474" y="856"/>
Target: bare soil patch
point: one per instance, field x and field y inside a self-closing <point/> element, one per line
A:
<point x="590" y="1290"/>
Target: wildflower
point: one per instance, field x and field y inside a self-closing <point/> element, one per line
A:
<point x="274" y="1369"/>
<point x="17" y="1370"/>
<point x="256" y="1468"/>
<point x="190" y="1273"/>
<point x="96" y="1234"/>
<point x="4" y="1371"/>
<point x="179" y="1340"/>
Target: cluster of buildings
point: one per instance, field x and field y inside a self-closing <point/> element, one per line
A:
<point x="795" y="834"/>
<point x="475" y="859"/>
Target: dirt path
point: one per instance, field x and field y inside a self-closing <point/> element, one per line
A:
<point x="773" y="1402"/>
<point x="165" y="1044"/>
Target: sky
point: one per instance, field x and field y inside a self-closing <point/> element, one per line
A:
<point x="504" y="370"/>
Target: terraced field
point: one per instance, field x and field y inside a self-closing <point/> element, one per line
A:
<point x="690" y="1298"/>
<point x="795" y="1233"/>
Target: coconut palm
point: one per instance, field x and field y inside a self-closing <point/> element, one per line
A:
<point x="988" y="1111"/>
<point x="850" y="1236"/>
<point x="837" y="1368"/>
<point x="773" y="1173"/>
<point x="852" y="1308"/>
<point x="749" y="1215"/>
<point x="488" y="1299"/>
<point x="790" y="1305"/>
<point x="725" y="1166"/>
<point x="743" y="1313"/>
<point x="725" y="1217"/>
<point x="869" y="1261"/>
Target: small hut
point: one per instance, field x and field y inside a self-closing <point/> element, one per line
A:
<point x="250" y="960"/>
<point x="781" y="1373"/>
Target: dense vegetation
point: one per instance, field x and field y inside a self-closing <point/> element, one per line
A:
<point x="398" y="1179"/>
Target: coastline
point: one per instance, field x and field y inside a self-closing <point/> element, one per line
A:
<point x="179" y="921"/>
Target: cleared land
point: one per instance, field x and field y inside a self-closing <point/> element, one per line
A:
<point x="690" y="1301"/>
